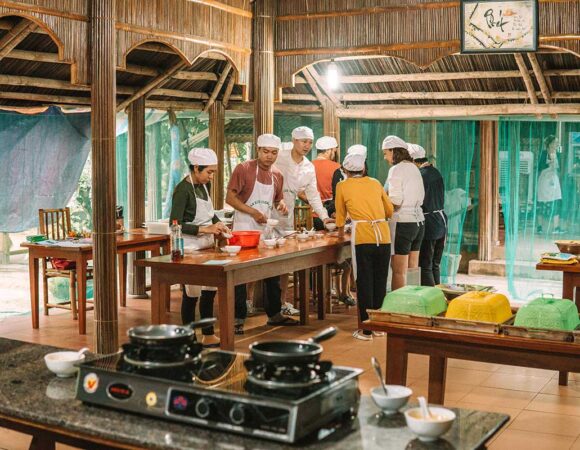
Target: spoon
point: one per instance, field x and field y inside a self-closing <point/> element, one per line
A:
<point x="424" y="408"/>
<point x="379" y="373"/>
<point x="82" y="351"/>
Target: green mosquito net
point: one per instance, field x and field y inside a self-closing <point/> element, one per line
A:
<point x="452" y="146"/>
<point x="539" y="166"/>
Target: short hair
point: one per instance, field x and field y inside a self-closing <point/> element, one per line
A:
<point x="421" y="160"/>
<point x="199" y="168"/>
<point x="401" y="154"/>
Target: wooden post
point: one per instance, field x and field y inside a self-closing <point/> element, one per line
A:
<point x="136" y="189"/>
<point x="103" y="105"/>
<point x="330" y="123"/>
<point x="217" y="139"/>
<point x="264" y="66"/>
<point x="488" y="186"/>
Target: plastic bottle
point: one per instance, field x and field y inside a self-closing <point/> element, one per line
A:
<point x="176" y="242"/>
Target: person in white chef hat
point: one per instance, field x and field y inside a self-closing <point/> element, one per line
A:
<point x="192" y="207"/>
<point x="364" y="200"/>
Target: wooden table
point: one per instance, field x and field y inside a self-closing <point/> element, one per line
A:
<point x="249" y="265"/>
<point x="131" y="241"/>
<point x="440" y="344"/>
<point x="571" y="279"/>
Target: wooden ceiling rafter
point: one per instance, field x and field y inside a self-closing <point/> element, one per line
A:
<point x="545" y="90"/>
<point x="228" y="91"/>
<point x="527" y="79"/>
<point x="218" y="87"/>
<point x="320" y="97"/>
<point x="323" y="87"/>
<point x="15" y="36"/>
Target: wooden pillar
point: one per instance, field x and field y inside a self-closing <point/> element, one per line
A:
<point x="488" y="190"/>
<point x="330" y="123"/>
<point x="136" y="189"/>
<point x="103" y="112"/>
<point x="264" y="66"/>
<point x="217" y="140"/>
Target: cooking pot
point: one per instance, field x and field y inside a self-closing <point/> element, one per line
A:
<point x="291" y="352"/>
<point x="167" y="334"/>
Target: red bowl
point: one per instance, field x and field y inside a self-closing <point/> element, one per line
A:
<point x="247" y="239"/>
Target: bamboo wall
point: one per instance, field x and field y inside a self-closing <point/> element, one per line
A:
<point x="421" y="31"/>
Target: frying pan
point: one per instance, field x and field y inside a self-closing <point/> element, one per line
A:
<point x="167" y="334"/>
<point x="291" y="352"/>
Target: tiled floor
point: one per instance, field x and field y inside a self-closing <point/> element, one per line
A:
<point x="543" y="414"/>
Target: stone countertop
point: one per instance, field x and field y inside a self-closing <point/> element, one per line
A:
<point x="30" y="393"/>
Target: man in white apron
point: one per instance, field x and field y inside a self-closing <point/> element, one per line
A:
<point x="363" y="199"/>
<point x="254" y="191"/>
<point x="193" y="209"/>
<point x="435" y="219"/>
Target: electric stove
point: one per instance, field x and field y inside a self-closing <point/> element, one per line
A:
<point x="226" y="391"/>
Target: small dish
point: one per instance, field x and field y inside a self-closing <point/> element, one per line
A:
<point x="330" y="226"/>
<point x="428" y="430"/>
<point x="62" y="364"/>
<point x="302" y="237"/>
<point x="280" y="242"/>
<point x="311" y="233"/>
<point x="232" y="250"/>
<point x="270" y="243"/>
<point x="395" y="399"/>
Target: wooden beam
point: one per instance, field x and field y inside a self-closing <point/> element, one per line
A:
<point x="176" y="105"/>
<point x="218" y="87"/>
<point x="457" y="95"/>
<point x="323" y="87"/>
<point x="156" y="82"/>
<point x="227" y="8"/>
<point x="15" y="36"/>
<point x="217" y="143"/>
<point x="248" y="107"/>
<point x="301" y="97"/>
<point x="540" y="78"/>
<point x="195" y="76"/>
<point x="368" y="49"/>
<point x="315" y="89"/>
<point x="28" y="55"/>
<point x="179" y="94"/>
<point x="228" y="91"/>
<point x="45" y="99"/>
<point x="527" y="79"/>
<point x="384" y="112"/>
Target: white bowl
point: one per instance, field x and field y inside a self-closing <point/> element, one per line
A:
<point x="429" y="430"/>
<point x="397" y="397"/>
<point x="272" y="222"/>
<point x="270" y="243"/>
<point x="302" y="237"/>
<point x="280" y="242"/>
<point x="232" y="250"/>
<point x="311" y="233"/>
<point x="319" y="235"/>
<point x="330" y="226"/>
<point x="63" y="363"/>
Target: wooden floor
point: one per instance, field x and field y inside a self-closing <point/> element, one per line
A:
<point x="543" y="414"/>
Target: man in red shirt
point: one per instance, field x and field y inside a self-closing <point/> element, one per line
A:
<point x="254" y="190"/>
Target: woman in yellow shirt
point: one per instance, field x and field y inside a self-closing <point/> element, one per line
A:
<point x="364" y="200"/>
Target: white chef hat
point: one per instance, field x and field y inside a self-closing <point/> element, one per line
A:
<point x="357" y="149"/>
<point x="286" y="146"/>
<point x="354" y="162"/>
<point x="202" y="157"/>
<point x="269" y="140"/>
<point x="416" y="151"/>
<point x="393" y="142"/>
<point x="326" y="143"/>
<point x="302" y="133"/>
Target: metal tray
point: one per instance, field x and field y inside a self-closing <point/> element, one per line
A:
<point x="470" y="325"/>
<point x="377" y="315"/>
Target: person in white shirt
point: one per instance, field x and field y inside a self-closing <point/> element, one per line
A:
<point x="405" y="188"/>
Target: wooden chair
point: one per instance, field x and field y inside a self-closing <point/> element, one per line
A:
<point x="303" y="217"/>
<point x="55" y="224"/>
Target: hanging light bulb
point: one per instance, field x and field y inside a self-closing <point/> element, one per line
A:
<point x="332" y="75"/>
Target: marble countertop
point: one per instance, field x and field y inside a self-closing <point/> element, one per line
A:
<point x="30" y="393"/>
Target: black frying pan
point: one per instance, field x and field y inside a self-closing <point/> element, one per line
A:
<point x="167" y="334"/>
<point x="291" y="352"/>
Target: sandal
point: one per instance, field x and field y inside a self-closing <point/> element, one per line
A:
<point x="281" y="320"/>
<point x="239" y="329"/>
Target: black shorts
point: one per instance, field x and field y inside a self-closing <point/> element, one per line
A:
<point x="408" y="237"/>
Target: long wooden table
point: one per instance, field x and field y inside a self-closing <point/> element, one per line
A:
<point x="440" y="344"/>
<point x="134" y="240"/>
<point x="570" y="280"/>
<point x="248" y="266"/>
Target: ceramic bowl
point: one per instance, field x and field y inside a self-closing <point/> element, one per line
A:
<point x="63" y="363"/>
<point x="272" y="222"/>
<point x="330" y="226"/>
<point x="302" y="237"/>
<point x="319" y="235"/>
<point x="232" y="250"/>
<point x="280" y="242"/>
<point x="428" y="430"/>
<point x="397" y="397"/>
<point x="311" y="233"/>
<point x="270" y="243"/>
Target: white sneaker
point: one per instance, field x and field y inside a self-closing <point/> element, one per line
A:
<point x="378" y="333"/>
<point x="250" y="308"/>
<point x="289" y="309"/>
<point x="358" y="334"/>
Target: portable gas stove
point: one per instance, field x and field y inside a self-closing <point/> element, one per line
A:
<point x="226" y="391"/>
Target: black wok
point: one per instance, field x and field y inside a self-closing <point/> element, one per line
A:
<point x="291" y="352"/>
<point x="167" y="334"/>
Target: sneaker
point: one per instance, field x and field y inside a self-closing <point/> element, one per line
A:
<point x="379" y="333"/>
<point x="289" y="310"/>
<point x="358" y="334"/>
<point x="250" y="308"/>
<point x="347" y="300"/>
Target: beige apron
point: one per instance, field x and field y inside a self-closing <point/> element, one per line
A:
<point x="262" y="199"/>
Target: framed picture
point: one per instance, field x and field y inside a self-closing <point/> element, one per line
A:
<point x="499" y="27"/>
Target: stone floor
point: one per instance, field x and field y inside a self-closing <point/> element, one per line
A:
<point x="543" y="414"/>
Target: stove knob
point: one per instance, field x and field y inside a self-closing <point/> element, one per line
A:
<point x="238" y="414"/>
<point x="203" y="408"/>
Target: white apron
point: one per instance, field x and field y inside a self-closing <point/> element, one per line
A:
<point x="204" y="213"/>
<point x="549" y="189"/>
<point x="262" y="199"/>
